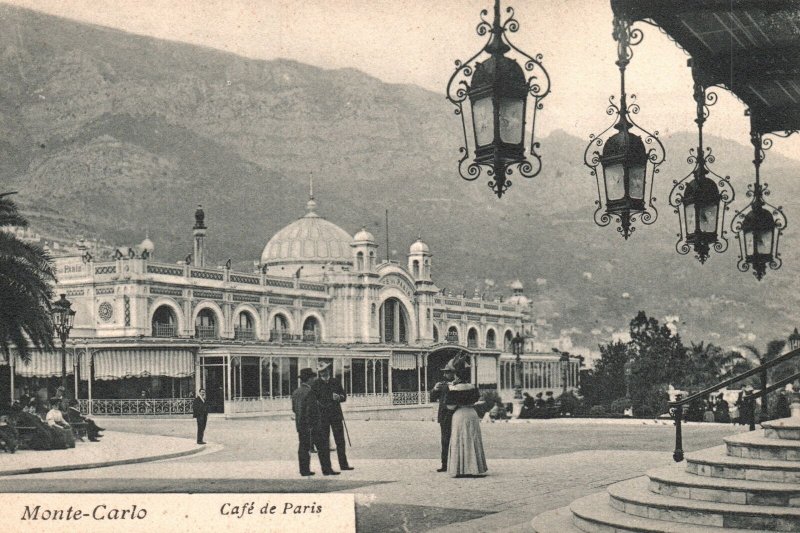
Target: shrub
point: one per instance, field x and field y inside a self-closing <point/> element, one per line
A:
<point x="619" y="405"/>
<point x="654" y="402"/>
<point x="597" y="410"/>
<point x="570" y="403"/>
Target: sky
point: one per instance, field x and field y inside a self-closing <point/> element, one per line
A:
<point x="417" y="42"/>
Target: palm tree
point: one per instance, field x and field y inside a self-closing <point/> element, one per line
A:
<point x="26" y="288"/>
<point x="774" y="349"/>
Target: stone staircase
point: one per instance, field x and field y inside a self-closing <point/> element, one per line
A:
<point x="751" y="483"/>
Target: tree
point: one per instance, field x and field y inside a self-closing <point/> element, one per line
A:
<point x="26" y="288"/>
<point x="607" y="382"/>
<point x="708" y="364"/>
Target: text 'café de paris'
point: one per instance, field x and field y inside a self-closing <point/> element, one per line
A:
<point x="147" y="334"/>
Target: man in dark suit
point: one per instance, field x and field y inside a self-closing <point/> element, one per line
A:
<point x="200" y="413"/>
<point x="306" y="420"/>
<point x="445" y="415"/>
<point x="330" y="395"/>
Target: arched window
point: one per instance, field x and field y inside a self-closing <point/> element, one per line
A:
<point x="205" y="325"/>
<point x="371" y="260"/>
<point x="165" y="323"/>
<point x="452" y="335"/>
<point x="393" y="322"/>
<point x="360" y="261"/>
<point x="472" y="338"/>
<point x="507" y="341"/>
<point x="244" y="328"/>
<point x="311" y="330"/>
<point x="491" y="341"/>
<point x="280" y="327"/>
<point x="415" y="268"/>
<point x="435" y="334"/>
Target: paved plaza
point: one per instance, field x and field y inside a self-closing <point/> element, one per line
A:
<point x="534" y="466"/>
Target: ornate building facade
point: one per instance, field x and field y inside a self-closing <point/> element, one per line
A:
<point x="148" y="334"/>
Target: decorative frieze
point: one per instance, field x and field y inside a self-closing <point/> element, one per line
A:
<point x="211" y="295"/>
<point x="127" y="305"/>
<point x="279" y="283"/>
<point x="312" y="287"/>
<point x="166" y="291"/>
<point x="240" y="297"/>
<point x="314" y="303"/>
<point x="455" y="316"/>
<point x="103" y="291"/>
<point x="204" y="274"/>
<point x="107" y="269"/>
<point x="452" y="302"/>
<point x="165" y="270"/>
<point x="491" y="306"/>
<point x="474" y="318"/>
<point x="281" y="301"/>
<point x="238" y="278"/>
<point x="74" y="292"/>
<point x="473" y="304"/>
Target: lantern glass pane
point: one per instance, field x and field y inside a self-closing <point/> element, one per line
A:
<point x="763" y="242"/>
<point x="748" y="243"/>
<point x="615" y="181"/>
<point x="691" y="218"/>
<point x="636" y="174"/>
<point x="708" y="218"/>
<point x="57" y="316"/>
<point x="512" y="119"/>
<point x="483" y="121"/>
<point x="70" y="318"/>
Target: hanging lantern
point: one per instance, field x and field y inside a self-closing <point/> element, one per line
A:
<point x="758" y="227"/>
<point x="699" y="201"/>
<point x="498" y="104"/>
<point x="628" y="161"/>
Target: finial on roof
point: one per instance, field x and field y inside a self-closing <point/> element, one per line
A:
<point x="311" y="205"/>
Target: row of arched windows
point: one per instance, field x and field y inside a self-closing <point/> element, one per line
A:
<point x="165" y="324"/>
<point x="472" y="338"/>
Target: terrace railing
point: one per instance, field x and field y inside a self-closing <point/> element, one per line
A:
<point x="244" y="334"/>
<point x="205" y="332"/>
<point x="137" y="406"/>
<point x="677" y="407"/>
<point x="164" y="330"/>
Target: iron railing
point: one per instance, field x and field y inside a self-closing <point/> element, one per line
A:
<point x="244" y="334"/>
<point x="677" y="407"/>
<point x="283" y="403"/>
<point x="205" y="332"/>
<point x="138" y="406"/>
<point x="164" y="330"/>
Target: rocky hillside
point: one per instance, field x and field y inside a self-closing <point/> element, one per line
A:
<point x="112" y="134"/>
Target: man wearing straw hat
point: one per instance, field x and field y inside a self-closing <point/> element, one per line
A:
<point x="444" y="415"/>
<point x="330" y="395"/>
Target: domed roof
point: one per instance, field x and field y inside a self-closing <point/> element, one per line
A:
<point x="419" y="247"/>
<point x="310" y="239"/>
<point x="363" y="236"/>
<point x="147" y="244"/>
<point x="517" y="285"/>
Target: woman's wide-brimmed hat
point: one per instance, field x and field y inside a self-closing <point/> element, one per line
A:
<point x="449" y="367"/>
<point x="460" y="362"/>
<point x="323" y="366"/>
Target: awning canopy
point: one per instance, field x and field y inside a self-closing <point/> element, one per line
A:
<point x="750" y="47"/>
<point x="143" y="362"/>
<point x="487" y="370"/>
<point x="42" y="365"/>
<point x="404" y="361"/>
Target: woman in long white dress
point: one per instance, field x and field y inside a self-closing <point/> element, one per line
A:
<point x="466" y="456"/>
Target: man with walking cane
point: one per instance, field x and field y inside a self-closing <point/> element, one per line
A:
<point x="444" y="415"/>
<point x="330" y="395"/>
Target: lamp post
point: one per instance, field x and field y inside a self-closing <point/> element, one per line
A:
<point x="628" y="373"/>
<point x="63" y="317"/>
<point x="517" y="348"/>
<point x="497" y="100"/>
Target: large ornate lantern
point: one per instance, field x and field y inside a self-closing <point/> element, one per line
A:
<point x="628" y="161"/>
<point x="699" y="201"/>
<point x="497" y="102"/>
<point x="758" y="227"/>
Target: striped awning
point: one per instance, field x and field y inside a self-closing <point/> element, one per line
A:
<point x="143" y="362"/>
<point x="487" y="369"/>
<point x="42" y="365"/>
<point x="404" y="361"/>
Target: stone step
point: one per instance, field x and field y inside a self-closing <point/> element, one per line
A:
<point x="755" y="445"/>
<point x="714" y="462"/>
<point x="676" y="482"/>
<point x="634" y="497"/>
<point x="784" y="428"/>
<point x="593" y="514"/>
<point x="555" y="521"/>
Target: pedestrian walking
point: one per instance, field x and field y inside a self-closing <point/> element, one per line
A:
<point x="200" y="413"/>
<point x="444" y="416"/>
<point x="306" y="420"/>
<point x="330" y="395"/>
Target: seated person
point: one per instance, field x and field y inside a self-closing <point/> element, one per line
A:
<point x="59" y="428"/>
<point x="550" y="401"/>
<point x="498" y="412"/>
<point x="41" y="439"/>
<point x="8" y="434"/>
<point x="528" y="405"/>
<point x="538" y="403"/>
<point x="74" y="416"/>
